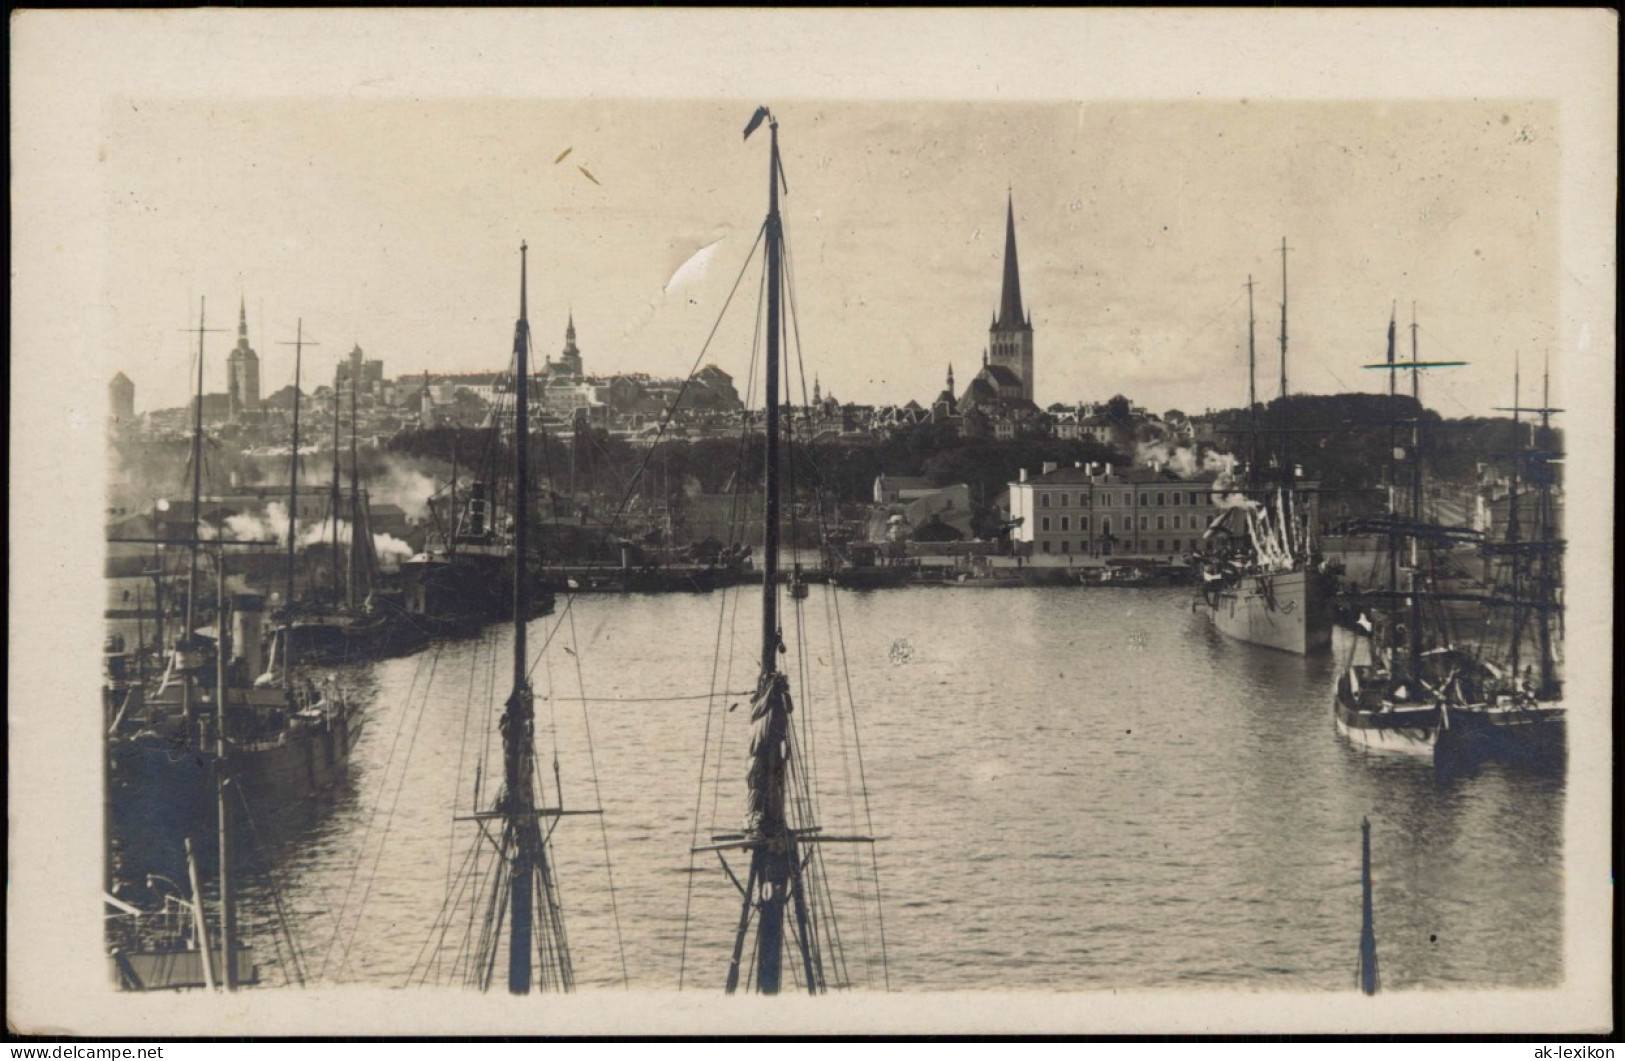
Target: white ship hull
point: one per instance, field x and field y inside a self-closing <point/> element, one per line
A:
<point x="1289" y="611"/>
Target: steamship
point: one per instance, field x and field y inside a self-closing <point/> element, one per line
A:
<point x="287" y="738"/>
<point x="1261" y="579"/>
<point x="462" y="581"/>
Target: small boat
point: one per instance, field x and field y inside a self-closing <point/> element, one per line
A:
<point x="864" y="565"/>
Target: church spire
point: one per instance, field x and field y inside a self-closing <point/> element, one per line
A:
<point x="1010" y="315"/>
<point x="242" y="320"/>
<point x="950" y="377"/>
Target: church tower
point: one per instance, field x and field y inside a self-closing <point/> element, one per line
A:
<point x="1010" y="339"/>
<point x="242" y="370"/>
<point x="569" y="362"/>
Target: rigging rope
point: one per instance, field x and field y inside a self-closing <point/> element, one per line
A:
<point x="434" y="660"/>
<point x="296" y="957"/>
<point x="592" y="760"/>
<point x="665" y="421"/>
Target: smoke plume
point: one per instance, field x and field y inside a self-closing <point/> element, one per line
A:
<point x="403" y="485"/>
<point x="389" y="549"/>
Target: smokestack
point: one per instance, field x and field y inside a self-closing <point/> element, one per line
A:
<point x="1024" y="475"/>
<point x="248" y="631"/>
<point x="1108" y="470"/>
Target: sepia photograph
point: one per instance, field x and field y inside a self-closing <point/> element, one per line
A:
<point x="967" y="522"/>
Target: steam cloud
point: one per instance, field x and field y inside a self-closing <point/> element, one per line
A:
<point x="391" y="550"/>
<point x="403" y="485"/>
<point x="273" y="526"/>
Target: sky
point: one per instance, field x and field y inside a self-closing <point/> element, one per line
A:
<point x="395" y="224"/>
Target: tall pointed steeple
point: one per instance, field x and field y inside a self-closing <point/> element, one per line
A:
<point x="242" y="369"/>
<point x="1011" y="334"/>
<point x="569" y="363"/>
<point x="1010" y="315"/>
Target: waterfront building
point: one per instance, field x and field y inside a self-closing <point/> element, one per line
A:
<point x="1097" y="510"/>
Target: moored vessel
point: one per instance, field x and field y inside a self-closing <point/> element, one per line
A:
<point x="1261" y="579"/>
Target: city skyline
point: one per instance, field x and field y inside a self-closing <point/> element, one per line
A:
<point x="1134" y="258"/>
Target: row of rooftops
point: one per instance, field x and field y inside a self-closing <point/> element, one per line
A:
<point x="1105" y="473"/>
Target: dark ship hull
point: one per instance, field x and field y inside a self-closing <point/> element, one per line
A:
<point x="161" y="788"/>
<point x="458" y="594"/>
<point x="339" y="636"/>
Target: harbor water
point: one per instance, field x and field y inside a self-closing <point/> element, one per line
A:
<point x="1071" y="788"/>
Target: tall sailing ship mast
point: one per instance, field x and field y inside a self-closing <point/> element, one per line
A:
<point x="538" y="949"/>
<point x="1419" y="690"/>
<point x="781" y="883"/>
<point x="1532" y="560"/>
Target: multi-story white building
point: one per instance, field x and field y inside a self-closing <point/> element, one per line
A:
<point x="1098" y="510"/>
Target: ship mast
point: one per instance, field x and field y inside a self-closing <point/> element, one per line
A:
<point x="1416" y="507"/>
<point x="1412" y="528"/>
<point x="1514" y="531"/>
<point x="197" y="506"/>
<point x="1548" y="678"/>
<point x="776" y="868"/>
<point x="333" y="503"/>
<point x="1542" y="547"/>
<point x="1286" y="427"/>
<point x="355" y="497"/>
<point x="1252" y="387"/>
<point x="518" y="723"/>
<point x="770" y="545"/>
<point x="523" y="844"/>
<point x="293" y="512"/>
<point x="228" y="906"/>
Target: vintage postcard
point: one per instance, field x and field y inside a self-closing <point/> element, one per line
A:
<point x="953" y="522"/>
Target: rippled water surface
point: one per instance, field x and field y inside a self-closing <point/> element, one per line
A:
<point x="1072" y="789"/>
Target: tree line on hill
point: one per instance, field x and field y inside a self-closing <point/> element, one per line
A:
<point x="1342" y="441"/>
